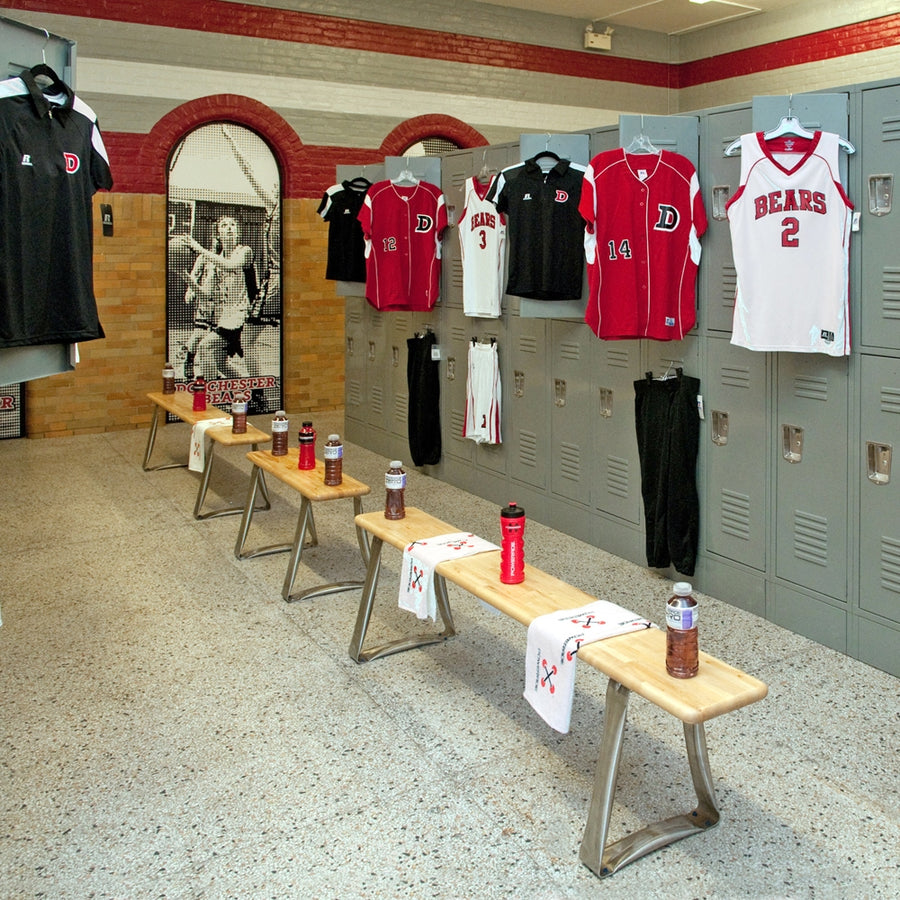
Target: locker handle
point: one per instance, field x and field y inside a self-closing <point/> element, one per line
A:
<point x="518" y="383"/>
<point x="720" y="194"/>
<point x="881" y="194"/>
<point x="878" y="462"/>
<point x="560" y="390"/>
<point x="395" y="357"/>
<point x="719" y="431"/>
<point x="349" y="345"/>
<point x="606" y="402"/>
<point x="451" y="368"/>
<point x="792" y="443"/>
<point x="372" y="350"/>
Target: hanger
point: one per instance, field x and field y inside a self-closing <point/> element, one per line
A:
<point x="640" y="143"/>
<point x="360" y="182"/>
<point x="485" y="173"/>
<point x="406" y="176"/>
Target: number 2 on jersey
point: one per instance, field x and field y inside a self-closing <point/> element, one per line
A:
<point x="789" y="235"/>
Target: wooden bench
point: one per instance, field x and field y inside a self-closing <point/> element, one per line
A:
<point x="310" y="483"/>
<point x="180" y="404"/>
<point x="633" y="662"/>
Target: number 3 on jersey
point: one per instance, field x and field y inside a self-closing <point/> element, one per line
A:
<point x="624" y="249"/>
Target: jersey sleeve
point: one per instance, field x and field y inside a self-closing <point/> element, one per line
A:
<point x="327" y="201"/>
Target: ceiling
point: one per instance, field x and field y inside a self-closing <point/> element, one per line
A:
<point x="666" y="16"/>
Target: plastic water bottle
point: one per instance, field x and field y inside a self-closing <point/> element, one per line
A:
<point x="280" y="426"/>
<point x="682" y="658"/>
<point x="307" y="439"/>
<point x="395" y="488"/>
<point x="334" y="460"/>
<point x="168" y="378"/>
<point x="199" y="390"/>
<point x="512" y="545"/>
<point x="239" y="414"/>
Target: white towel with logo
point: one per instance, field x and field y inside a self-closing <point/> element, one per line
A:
<point x="419" y="559"/>
<point x="197" y="458"/>
<point x="553" y="640"/>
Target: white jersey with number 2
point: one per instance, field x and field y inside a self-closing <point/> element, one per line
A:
<point x="790" y="233"/>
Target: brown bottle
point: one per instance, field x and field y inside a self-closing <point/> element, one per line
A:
<point x="394" y="489"/>
<point x="239" y="414"/>
<point x="334" y="460"/>
<point x="280" y="426"/>
<point x="682" y="658"/>
<point x="168" y="376"/>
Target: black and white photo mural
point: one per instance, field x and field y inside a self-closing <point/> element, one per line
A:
<point x="223" y="281"/>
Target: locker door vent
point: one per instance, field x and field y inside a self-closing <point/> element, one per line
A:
<point x="810" y="538"/>
<point x="458" y="333"/>
<point x="528" y="444"/>
<point x="729" y="286"/>
<point x="809" y="387"/>
<point x="458" y="180"/>
<point x="570" y="462"/>
<point x="456" y="273"/>
<point x="355" y="315"/>
<point x="890" y="128"/>
<point x="528" y="344"/>
<point x="735" y="377"/>
<point x="890" y="400"/>
<point x="890" y="565"/>
<point x="617" y="476"/>
<point x="570" y="350"/>
<point x="401" y="322"/>
<point x="354" y="393"/>
<point x="890" y="292"/>
<point x="736" y="515"/>
<point x="376" y="400"/>
<point x="401" y="409"/>
<point x="458" y="421"/>
<point x="619" y="358"/>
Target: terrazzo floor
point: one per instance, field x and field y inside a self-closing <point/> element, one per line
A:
<point x="171" y="728"/>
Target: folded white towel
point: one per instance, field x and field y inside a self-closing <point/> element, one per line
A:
<point x="419" y="559"/>
<point x="553" y="641"/>
<point x="197" y="457"/>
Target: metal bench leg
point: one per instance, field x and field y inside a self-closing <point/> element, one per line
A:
<point x="158" y="411"/>
<point x="604" y="859"/>
<point x="231" y="510"/>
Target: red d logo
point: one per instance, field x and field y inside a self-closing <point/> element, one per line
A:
<point x="73" y="163"/>
<point x="562" y="196"/>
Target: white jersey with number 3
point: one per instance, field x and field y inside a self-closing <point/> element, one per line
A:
<point x="790" y="233"/>
<point x="482" y="243"/>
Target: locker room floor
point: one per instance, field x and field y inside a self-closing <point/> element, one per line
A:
<point x="172" y="728"/>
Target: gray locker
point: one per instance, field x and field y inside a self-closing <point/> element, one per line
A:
<point x="719" y="179"/>
<point x="526" y="431"/>
<point x="617" y="486"/>
<point x="355" y="359"/>
<point x="880" y="248"/>
<point x="735" y="453"/>
<point x="454" y="336"/>
<point x="493" y="457"/>
<point x="377" y="385"/>
<point x="811" y="472"/>
<point x="456" y="168"/>
<point x="879" y="522"/>
<point x="400" y="327"/>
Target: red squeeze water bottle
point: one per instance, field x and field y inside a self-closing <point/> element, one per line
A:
<point x="199" y="390"/>
<point x="307" y="436"/>
<point x="512" y="547"/>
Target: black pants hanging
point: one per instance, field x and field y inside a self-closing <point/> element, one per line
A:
<point x="668" y="437"/>
<point x="423" y="380"/>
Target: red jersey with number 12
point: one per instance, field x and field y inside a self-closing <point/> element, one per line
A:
<point x="402" y="225"/>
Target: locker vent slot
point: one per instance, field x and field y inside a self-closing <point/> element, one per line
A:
<point x="401" y="322"/>
<point x="570" y="462"/>
<point x="355" y="315"/>
<point x="735" y="377"/>
<point x="528" y="344"/>
<point x="617" y="476"/>
<point x="890" y="128"/>
<point x="354" y="393"/>
<point x="736" y="515"/>
<point x="618" y="358"/>
<point x="458" y="333"/>
<point x="890" y="565"/>
<point x="458" y="421"/>
<point x="377" y="322"/>
<point x="376" y="400"/>
<point x="810" y="538"/>
<point x="890" y="400"/>
<point x="458" y="180"/>
<point x="401" y="408"/>
<point x="808" y="387"/>
<point x="569" y="350"/>
<point x="729" y="286"/>
<point x="456" y="273"/>
<point x="528" y="445"/>
<point x="890" y="292"/>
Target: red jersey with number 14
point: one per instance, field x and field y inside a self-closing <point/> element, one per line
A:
<point x="402" y="225"/>
<point x="644" y="217"/>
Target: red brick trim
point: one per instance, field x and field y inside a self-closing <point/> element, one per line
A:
<point x="419" y="127"/>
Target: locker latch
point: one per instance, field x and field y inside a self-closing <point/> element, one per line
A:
<point x="606" y="402"/>
<point x="395" y="357"/>
<point x="878" y="462"/>
<point x="372" y="351"/>
<point x="349" y="345"/>
<point x="720" y="194"/>
<point x="719" y="427"/>
<point x="518" y="383"/>
<point x="881" y="193"/>
<point x="792" y="443"/>
<point x="560" y="386"/>
<point x="451" y="368"/>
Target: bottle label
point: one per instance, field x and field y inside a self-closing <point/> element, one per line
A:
<point x="395" y="482"/>
<point x="681" y="618"/>
<point x="331" y="451"/>
<point x="279" y="426"/>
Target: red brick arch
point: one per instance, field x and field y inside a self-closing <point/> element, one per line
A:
<point x="420" y="127"/>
